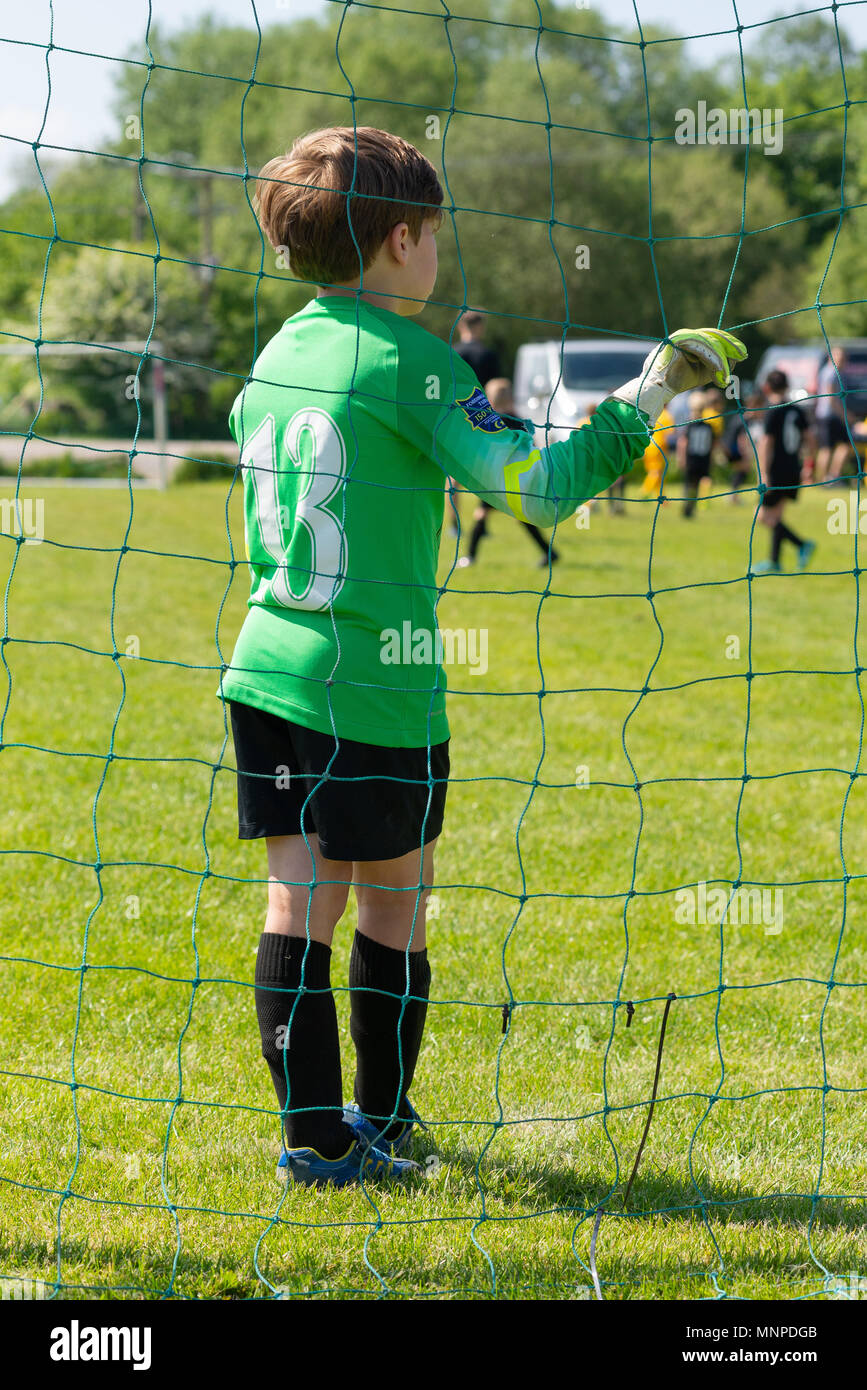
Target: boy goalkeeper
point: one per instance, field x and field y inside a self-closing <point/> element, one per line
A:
<point x="351" y="419"/>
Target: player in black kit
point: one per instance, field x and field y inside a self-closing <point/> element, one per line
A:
<point x="694" y="449"/>
<point x="785" y="426"/>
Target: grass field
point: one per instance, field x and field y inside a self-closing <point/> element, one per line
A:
<point x="156" y="1173"/>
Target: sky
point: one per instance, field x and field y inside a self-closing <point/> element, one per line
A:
<point x="81" y="88"/>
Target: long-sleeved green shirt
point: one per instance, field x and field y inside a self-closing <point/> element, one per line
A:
<point x="351" y="419"/>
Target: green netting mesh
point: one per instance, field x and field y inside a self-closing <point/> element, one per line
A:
<point x="585" y="195"/>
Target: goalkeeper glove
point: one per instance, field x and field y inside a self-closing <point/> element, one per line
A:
<point x="690" y="358"/>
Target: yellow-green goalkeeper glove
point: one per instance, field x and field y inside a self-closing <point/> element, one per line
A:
<point x="689" y="359"/>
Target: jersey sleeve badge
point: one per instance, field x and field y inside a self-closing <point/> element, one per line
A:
<point x="480" y="413"/>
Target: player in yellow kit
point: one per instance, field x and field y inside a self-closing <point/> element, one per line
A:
<point x="654" y="459"/>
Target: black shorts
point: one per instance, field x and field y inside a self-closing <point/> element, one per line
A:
<point x="697" y="467"/>
<point x="370" y="802"/>
<point x="830" y="431"/>
<point x="779" y="494"/>
<point x="785" y="479"/>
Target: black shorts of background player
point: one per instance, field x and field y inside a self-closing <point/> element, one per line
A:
<point x="694" y="450"/>
<point x="785" y="428"/>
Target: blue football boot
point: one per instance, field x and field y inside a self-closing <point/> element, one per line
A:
<point x="369" y="1132"/>
<point x="362" y="1159"/>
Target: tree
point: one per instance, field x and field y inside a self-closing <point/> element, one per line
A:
<point x="94" y="296"/>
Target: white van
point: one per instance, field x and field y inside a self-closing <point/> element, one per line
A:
<point x="555" y="382"/>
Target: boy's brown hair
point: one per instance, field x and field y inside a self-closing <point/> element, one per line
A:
<point x="304" y="203"/>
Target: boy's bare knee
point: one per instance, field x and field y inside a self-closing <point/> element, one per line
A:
<point x="306" y="892"/>
<point x="295" y="908"/>
<point x="394" y="904"/>
<point x="396" y="919"/>
<point x="392" y="897"/>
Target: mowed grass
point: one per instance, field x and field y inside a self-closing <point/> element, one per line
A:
<point x="155" y="1174"/>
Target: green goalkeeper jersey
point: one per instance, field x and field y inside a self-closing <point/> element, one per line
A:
<point x="347" y="427"/>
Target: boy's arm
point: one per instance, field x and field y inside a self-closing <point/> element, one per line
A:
<point x="461" y="432"/>
<point x="765" y="450"/>
<point x="765" y="455"/>
<point x="506" y="468"/>
<point x="808" y="434"/>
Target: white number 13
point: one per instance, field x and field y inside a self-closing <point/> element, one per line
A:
<point x="312" y="443"/>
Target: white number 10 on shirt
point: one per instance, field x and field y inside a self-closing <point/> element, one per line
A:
<point x="313" y="444"/>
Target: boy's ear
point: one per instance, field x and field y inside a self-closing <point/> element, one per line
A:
<point x="397" y="242"/>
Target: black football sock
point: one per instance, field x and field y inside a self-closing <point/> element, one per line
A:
<point x="384" y="1069"/>
<point x="311" y="1061"/>
<point x="538" y="538"/>
<point x="783" y="533"/>
<point x="479" y="529"/>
